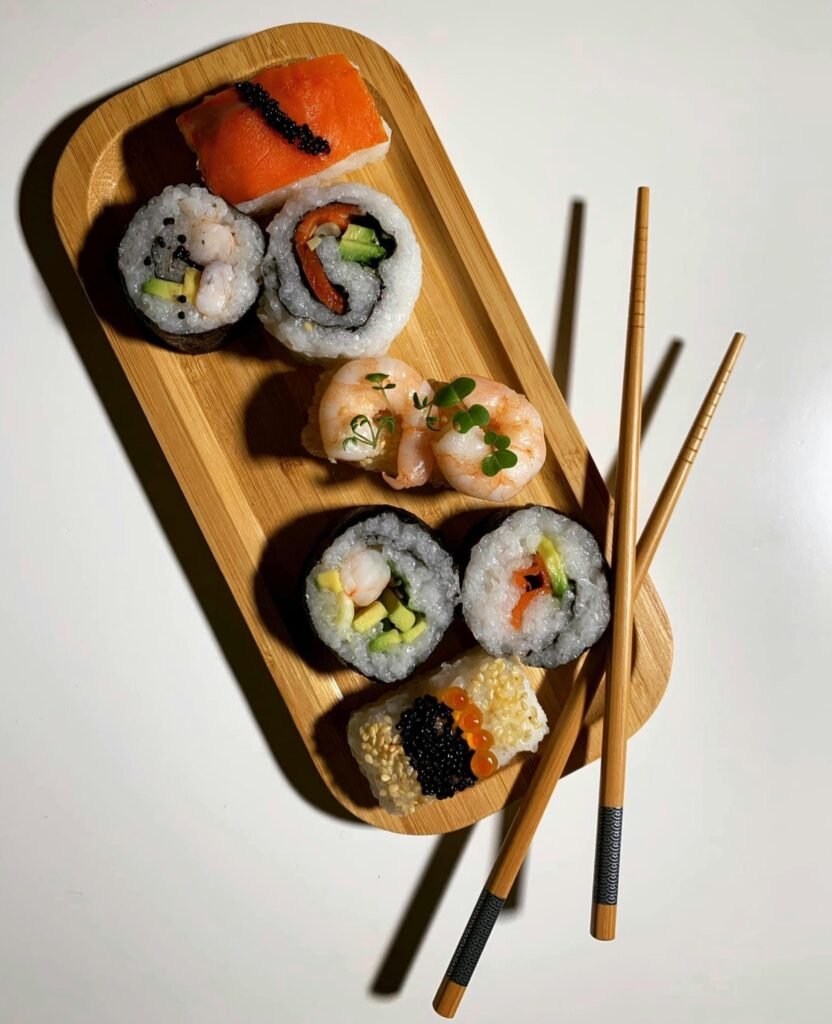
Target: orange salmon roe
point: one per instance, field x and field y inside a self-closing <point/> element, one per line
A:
<point x="479" y="739"/>
<point x="455" y="697"/>
<point x="470" y="718"/>
<point x="483" y="764"/>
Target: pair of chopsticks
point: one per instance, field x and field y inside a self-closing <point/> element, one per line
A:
<point x="630" y="567"/>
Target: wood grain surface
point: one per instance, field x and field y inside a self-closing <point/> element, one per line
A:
<point x="229" y="422"/>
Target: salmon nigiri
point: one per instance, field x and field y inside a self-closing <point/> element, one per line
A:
<point x="305" y="122"/>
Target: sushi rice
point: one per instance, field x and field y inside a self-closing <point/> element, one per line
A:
<point x="379" y="299"/>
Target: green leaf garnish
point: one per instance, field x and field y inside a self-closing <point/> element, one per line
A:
<point x="454" y="393"/>
<point x="365" y="432"/>
<point x="420" y="403"/>
<point x="479" y="415"/>
<point x="378" y="381"/>
<point x="462" y="421"/>
<point x="501" y="456"/>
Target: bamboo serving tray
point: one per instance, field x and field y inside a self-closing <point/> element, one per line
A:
<point x="229" y="422"/>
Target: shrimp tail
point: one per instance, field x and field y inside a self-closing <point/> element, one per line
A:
<point x="415" y="463"/>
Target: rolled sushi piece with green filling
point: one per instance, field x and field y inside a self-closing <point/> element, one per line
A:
<point x="191" y="267"/>
<point x="341" y="275"/>
<point x="382" y="592"/>
<point x="535" y="586"/>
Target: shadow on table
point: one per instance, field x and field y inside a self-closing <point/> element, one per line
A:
<point x="139" y="444"/>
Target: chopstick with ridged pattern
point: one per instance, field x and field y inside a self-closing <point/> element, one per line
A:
<point x="625" y="524"/>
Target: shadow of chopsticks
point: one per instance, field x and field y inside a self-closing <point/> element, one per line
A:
<point x="416" y="919"/>
<point x="568" y="300"/>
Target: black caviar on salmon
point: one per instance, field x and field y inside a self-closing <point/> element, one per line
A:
<point x="296" y="134"/>
<point x="436" y="748"/>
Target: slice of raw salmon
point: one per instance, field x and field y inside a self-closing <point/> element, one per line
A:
<point x="251" y="164"/>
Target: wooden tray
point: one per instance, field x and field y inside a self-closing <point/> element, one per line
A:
<point x="229" y="422"/>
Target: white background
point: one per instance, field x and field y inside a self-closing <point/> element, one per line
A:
<point x="156" y="863"/>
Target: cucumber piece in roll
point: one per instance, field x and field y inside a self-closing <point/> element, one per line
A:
<point x="535" y="586"/>
<point x="382" y="592"/>
<point x="342" y="273"/>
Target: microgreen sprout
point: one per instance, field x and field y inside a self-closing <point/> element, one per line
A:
<point x="426" y="404"/>
<point x="501" y="456"/>
<point x="374" y="428"/>
<point x="464" y="419"/>
<point x="378" y="381"/>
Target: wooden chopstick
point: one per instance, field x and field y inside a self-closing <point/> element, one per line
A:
<point x="567" y="728"/>
<point x="625" y="524"/>
<point x="677" y="478"/>
<point x="565" y="732"/>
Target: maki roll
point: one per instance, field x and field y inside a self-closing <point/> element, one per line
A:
<point x="342" y="273"/>
<point x="190" y="265"/>
<point x="535" y="587"/>
<point x="382" y="593"/>
<point x="438" y="736"/>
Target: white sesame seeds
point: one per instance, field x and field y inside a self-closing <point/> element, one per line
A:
<point x="500" y="689"/>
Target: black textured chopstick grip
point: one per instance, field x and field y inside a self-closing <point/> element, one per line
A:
<point x="474" y="937"/>
<point x="607" y="855"/>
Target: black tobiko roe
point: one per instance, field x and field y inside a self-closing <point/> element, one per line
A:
<point x="436" y="748"/>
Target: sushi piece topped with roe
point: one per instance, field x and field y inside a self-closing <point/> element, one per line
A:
<point x="306" y="122"/>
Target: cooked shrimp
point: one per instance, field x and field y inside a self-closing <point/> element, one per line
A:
<point x="460" y="456"/>
<point x="216" y="284"/>
<point x="364" y="575"/>
<point x="367" y="415"/>
<point x="415" y="459"/>
<point x="209" y="242"/>
<point x="208" y="239"/>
